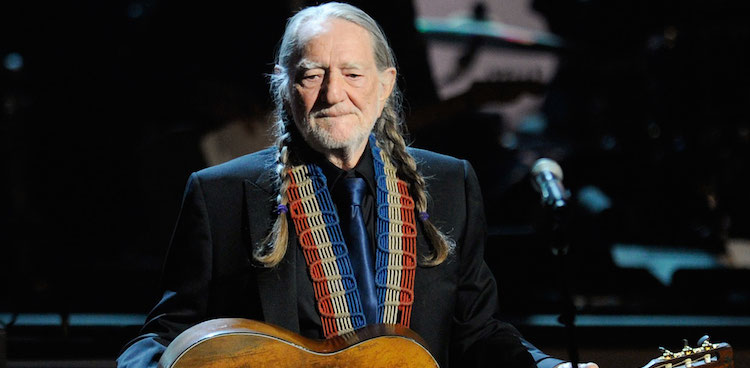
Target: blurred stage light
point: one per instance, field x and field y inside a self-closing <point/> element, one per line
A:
<point x="593" y="199"/>
<point x="13" y="61"/>
<point x="509" y="141"/>
<point x="533" y="124"/>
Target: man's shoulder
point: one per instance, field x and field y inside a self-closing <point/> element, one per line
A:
<point x="431" y="163"/>
<point x="249" y="166"/>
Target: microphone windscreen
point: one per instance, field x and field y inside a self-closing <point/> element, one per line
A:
<point x="545" y="164"/>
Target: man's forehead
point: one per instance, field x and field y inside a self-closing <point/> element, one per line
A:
<point x="310" y="56"/>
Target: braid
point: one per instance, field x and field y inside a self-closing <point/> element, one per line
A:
<point x="273" y="248"/>
<point x="393" y="143"/>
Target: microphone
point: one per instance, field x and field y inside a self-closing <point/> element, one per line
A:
<point x="548" y="176"/>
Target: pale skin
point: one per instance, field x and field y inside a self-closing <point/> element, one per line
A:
<point x="338" y="93"/>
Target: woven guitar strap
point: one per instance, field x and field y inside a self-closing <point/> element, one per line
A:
<point x="316" y="223"/>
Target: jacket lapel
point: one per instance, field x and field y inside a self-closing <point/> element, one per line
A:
<point x="277" y="286"/>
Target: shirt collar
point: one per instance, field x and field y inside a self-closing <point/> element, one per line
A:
<point x="364" y="169"/>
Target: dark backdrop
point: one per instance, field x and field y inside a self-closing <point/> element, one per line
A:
<point x="101" y="124"/>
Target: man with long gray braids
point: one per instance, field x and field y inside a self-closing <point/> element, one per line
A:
<point x="332" y="229"/>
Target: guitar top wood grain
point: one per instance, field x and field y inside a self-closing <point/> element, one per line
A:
<point x="236" y="342"/>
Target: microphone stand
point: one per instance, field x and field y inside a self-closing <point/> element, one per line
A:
<point x="555" y="233"/>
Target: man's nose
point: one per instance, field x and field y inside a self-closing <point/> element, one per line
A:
<point x="334" y="89"/>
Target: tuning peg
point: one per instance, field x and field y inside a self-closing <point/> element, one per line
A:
<point x="703" y="341"/>
<point x="685" y="346"/>
<point x="665" y="353"/>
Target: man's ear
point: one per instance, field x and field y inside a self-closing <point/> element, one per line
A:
<point x="387" y="81"/>
<point x="278" y="69"/>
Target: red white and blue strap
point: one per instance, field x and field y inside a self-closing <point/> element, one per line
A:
<point x="317" y="225"/>
<point x="396" y="258"/>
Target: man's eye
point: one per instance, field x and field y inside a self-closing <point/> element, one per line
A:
<point x="354" y="76"/>
<point x="311" y="79"/>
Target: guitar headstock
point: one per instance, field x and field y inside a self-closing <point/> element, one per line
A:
<point x="705" y="355"/>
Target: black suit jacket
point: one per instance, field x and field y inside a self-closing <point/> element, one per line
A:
<point x="228" y="208"/>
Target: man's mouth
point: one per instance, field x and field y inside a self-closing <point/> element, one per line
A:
<point x="330" y="114"/>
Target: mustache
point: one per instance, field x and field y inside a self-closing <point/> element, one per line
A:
<point x="331" y="112"/>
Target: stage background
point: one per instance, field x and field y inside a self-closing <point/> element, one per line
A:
<point x="107" y="107"/>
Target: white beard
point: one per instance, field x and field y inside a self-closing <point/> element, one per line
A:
<point x="323" y="139"/>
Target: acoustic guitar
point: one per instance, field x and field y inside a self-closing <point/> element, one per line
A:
<point x="236" y="342"/>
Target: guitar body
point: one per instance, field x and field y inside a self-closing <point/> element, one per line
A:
<point x="236" y="342"/>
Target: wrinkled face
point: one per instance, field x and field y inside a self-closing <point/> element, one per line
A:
<point x="338" y="93"/>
